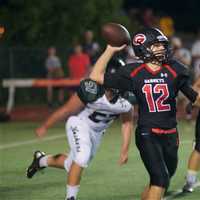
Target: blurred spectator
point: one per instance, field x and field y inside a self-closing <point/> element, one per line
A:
<point x="78" y="63"/>
<point x="180" y="53"/>
<point x="184" y="56"/>
<point x="134" y="15"/>
<point x="90" y="46"/>
<point x="148" y="18"/>
<point x="54" y="71"/>
<point x="196" y="57"/>
<point x="166" y="25"/>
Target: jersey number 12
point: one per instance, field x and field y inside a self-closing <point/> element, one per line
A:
<point x="156" y="104"/>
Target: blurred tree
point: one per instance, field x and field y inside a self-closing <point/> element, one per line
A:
<point x="44" y="22"/>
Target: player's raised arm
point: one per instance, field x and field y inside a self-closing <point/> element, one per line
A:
<point x="72" y="106"/>
<point x="98" y="70"/>
<point x="126" y="130"/>
<point x="117" y="37"/>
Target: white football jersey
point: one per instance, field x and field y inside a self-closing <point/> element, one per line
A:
<point x="100" y="114"/>
<point x="85" y="130"/>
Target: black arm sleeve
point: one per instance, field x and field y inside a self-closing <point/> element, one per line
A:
<point x="119" y="80"/>
<point x="183" y="83"/>
<point x="189" y="92"/>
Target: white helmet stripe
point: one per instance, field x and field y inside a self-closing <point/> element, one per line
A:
<point x="162" y="34"/>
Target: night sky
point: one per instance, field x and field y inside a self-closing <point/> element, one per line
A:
<point x="185" y="12"/>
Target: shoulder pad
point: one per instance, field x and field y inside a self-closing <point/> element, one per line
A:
<point x="133" y="65"/>
<point x="179" y="67"/>
<point x="89" y="91"/>
<point x="128" y="68"/>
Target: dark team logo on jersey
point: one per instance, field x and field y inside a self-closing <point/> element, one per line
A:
<point x="91" y="87"/>
<point x="139" y="39"/>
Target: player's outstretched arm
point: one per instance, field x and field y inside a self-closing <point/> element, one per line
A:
<point x="98" y="70"/>
<point x="72" y="106"/>
<point x="126" y="130"/>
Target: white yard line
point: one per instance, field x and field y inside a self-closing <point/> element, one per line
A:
<point x="17" y="144"/>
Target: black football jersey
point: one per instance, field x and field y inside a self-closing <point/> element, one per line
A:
<point x="155" y="91"/>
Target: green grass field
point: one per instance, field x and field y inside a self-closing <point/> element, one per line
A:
<point x="102" y="180"/>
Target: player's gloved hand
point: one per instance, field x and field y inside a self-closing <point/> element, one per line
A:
<point x="41" y="131"/>
<point x="123" y="157"/>
<point x="189" y="108"/>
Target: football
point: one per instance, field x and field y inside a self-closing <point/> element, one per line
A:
<point x="115" y="34"/>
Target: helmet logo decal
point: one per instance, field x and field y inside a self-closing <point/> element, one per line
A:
<point x="139" y="39"/>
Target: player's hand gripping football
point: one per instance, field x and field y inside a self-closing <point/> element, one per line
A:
<point x="115" y="49"/>
<point x="123" y="159"/>
<point x="41" y="131"/>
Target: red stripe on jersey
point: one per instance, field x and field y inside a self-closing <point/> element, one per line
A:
<point x="153" y="72"/>
<point x="162" y="131"/>
<point x="173" y="72"/>
<point x="135" y="71"/>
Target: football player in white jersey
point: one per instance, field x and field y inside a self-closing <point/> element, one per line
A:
<point x="95" y="109"/>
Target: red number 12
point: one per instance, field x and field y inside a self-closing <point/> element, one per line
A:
<point x="158" y="104"/>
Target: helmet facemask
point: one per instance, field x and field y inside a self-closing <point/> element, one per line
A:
<point x="115" y="93"/>
<point x="158" y="56"/>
